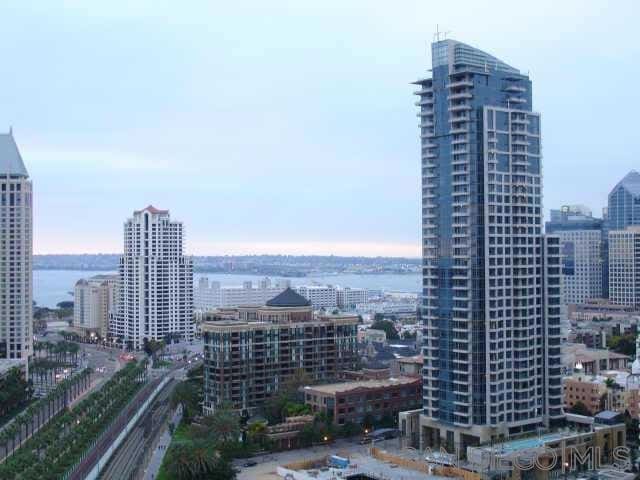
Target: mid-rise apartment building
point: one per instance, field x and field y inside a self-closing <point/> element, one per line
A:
<point x="94" y="300"/>
<point x="582" y="252"/>
<point x="16" y="250"/>
<point x="491" y="280"/>
<point x="156" y="281"/>
<point x="348" y="298"/>
<point x="320" y="296"/>
<point x="249" y="358"/>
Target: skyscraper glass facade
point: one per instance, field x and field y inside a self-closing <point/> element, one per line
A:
<point x="485" y="278"/>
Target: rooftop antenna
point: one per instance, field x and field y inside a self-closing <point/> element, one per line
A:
<point x="439" y="34"/>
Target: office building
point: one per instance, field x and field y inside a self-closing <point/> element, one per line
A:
<point x="156" y="282"/>
<point x="491" y="280"/>
<point x="16" y="248"/>
<point x="622" y="211"/>
<point x="624" y="266"/>
<point x="94" y="300"/>
<point x="320" y="296"/>
<point x="210" y="295"/>
<point x="354" y="402"/>
<point x="249" y="358"/>
<point x="582" y="253"/>
<point x="623" y="208"/>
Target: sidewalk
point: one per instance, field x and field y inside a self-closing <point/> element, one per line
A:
<point x="152" y="469"/>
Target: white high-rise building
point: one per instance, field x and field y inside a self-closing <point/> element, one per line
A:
<point x="156" y="281"/>
<point x="16" y="291"/>
<point x="94" y="300"/>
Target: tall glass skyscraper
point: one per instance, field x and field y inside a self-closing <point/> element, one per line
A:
<point x="623" y="210"/>
<point x="624" y="203"/>
<point x="491" y="280"/>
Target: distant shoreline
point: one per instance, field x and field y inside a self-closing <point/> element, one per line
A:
<point x="235" y="272"/>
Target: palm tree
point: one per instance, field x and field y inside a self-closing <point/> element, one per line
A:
<point x="191" y="460"/>
<point x="224" y="425"/>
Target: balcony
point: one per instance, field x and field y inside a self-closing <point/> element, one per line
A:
<point x="515" y="88"/>
<point x="460" y="118"/>
<point x="516" y="100"/>
<point x="459" y="96"/>
<point x="460" y="107"/>
<point x="465" y="82"/>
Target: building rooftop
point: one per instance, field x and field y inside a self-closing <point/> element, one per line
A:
<point x="591" y="354"/>
<point x="10" y="159"/>
<point x="417" y="359"/>
<point x="630" y="182"/>
<point x="334" y="388"/>
<point x="152" y="209"/>
<point x="607" y="415"/>
<point x="288" y="298"/>
<point x="455" y="53"/>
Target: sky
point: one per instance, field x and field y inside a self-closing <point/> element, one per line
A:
<point x="289" y="127"/>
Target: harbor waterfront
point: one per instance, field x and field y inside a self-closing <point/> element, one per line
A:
<point x="53" y="286"/>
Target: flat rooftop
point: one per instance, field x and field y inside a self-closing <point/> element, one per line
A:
<point x="333" y="388"/>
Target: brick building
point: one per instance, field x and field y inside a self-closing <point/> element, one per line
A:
<point x="352" y="401"/>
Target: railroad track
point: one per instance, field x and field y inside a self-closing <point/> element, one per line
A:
<point x="129" y="458"/>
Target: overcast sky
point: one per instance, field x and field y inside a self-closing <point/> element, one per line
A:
<point x="289" y="127"/>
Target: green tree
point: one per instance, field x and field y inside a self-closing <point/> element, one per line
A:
<point x="368" y="422"/>
<point x="409" y="335"/>
<point x="388" y="327"/>
<point x="223" y="425"/>
<point x="350" y="429"/>
<point x="189" y="395"/>
<point x="197" y="460"/>
<point x="580" y="408"/>
<point x="625" y="344"/>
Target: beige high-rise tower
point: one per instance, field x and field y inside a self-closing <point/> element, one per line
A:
<point x="16" y="238"/>
<point x="156" y="282"/>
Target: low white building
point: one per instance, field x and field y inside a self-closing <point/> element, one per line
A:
<point x="211" y="295"/>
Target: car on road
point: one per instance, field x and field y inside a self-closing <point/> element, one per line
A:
<point x="250" y="463"/>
